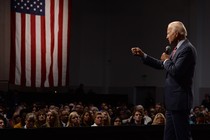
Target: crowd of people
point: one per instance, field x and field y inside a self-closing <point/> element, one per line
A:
<point x="80" y="114"/>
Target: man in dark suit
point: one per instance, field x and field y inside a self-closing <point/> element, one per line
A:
<point x="179" y="67"/>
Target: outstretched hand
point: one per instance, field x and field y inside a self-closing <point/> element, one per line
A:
<point x="137" y="51"/>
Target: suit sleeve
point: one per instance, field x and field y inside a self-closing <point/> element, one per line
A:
<point x="153" y="62"/>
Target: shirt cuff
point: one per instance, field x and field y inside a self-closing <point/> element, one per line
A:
<point x="145" y="55"/>
<point x="165" y="61"/>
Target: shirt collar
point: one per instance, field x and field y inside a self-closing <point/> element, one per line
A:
<point x="180" y="43"/>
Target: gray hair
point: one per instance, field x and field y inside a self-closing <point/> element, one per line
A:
<point x="179" y="27"/>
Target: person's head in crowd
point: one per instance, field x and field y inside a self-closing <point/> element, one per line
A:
<point x="30" y="120"/>
<point x="98" y="119"/>
<point x="116" y="121"/>
<point x="74" y="119"/>
<point x="3" y="122"/>
<point x="159" y="119"/>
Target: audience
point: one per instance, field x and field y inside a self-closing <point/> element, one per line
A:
<point x="87" y="114"/>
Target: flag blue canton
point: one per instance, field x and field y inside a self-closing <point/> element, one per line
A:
<point x="36" y="7"/>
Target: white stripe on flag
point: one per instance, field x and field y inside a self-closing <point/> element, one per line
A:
<point x="48" y="40"/>
<point x="18" y="49"/>
<point x="38" y="52"/>
<point x="64" y="42"/>
<point x="28" y="50"/>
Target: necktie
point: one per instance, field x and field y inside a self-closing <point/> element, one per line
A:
<point x="174" y="51"/>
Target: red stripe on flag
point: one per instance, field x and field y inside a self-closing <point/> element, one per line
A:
<point x="23" y="50"/>
<point x="43" y="52"/>
<point x="52" y="24"/>
<point x="33" y="50"/>
<point x="60" y="45"/>
<point x="12" y="50"/>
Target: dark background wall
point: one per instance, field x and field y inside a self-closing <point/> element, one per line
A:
<point x="102" y="33"/>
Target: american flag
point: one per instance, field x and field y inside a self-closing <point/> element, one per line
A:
<point x="40" y="43"/>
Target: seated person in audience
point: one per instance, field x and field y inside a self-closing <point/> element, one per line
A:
<point x="106" y="118"/>
<point x="200" y="119"/>
<point x="98" y="119"/>
<point x="40" y="118"/>
<point x="52" y="119"/>
<point x="2" y="122"/>
<point x="86" y="118"/>
<point x="146" y="118"/>
<point x="64" y="114"/>
<point x="116" y="121"/>
<point x="30" y="121"/>
<point x="159" y="119"/>
<point x="137" y="118"/>
<point x="73" y="120"/>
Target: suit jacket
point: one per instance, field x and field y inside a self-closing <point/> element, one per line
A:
<point x="178" y="93"/>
